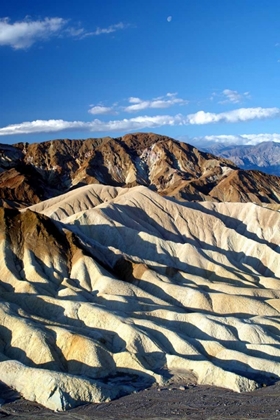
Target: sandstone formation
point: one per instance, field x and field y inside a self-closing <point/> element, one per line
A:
<point x="106" y="288"/>
<point x="30" y="173"/>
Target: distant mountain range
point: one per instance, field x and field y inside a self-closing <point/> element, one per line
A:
<point x="263" y="156"/>
<point x="30" y="173"/>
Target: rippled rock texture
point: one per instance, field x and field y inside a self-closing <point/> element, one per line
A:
<point x="107" y="289"/>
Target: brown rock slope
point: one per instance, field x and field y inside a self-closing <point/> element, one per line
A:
<point x="108" y="289"/>
<point x="30" y="173"/>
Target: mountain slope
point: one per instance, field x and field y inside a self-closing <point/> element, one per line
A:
<point x="35" y="172"/>
<point x="107" y="287"/>
<point x="264" y="156"/>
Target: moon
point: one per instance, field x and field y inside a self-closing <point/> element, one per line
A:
<point x="169" y="19"/>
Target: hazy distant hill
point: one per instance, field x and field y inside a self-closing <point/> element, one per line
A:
<point x="30" y="173"/>
<point x="264" y="156"/>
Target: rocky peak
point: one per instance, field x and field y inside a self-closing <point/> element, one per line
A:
<point x="34" y="172"/>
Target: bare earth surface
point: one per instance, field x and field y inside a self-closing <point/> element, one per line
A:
<point x="175" y="401"/>
<point x="107" y="288"/>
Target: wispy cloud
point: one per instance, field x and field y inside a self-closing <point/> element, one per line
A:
<point x="23" y="34"/>
<point x="232" y="96"/>
<point x="141" y="122"/>
<point x="166" y="101"/>
<point x="110" y="29"/>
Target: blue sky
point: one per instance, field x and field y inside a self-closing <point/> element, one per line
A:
<point x="198" y="70"/>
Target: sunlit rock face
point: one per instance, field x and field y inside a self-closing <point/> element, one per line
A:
<point x="30" y="173"/>
<point x="106" y="289"/>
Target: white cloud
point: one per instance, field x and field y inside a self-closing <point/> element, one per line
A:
<point x="101" y="110"/>
<point x="169" y="19"/>
<point x="134" y="100"/>
<point x="110" y="29"/>
<point x="137" y="104"/>
<point x="237" y="115"/>
<point x="244" y="139"/>
<point x="231" y="96"/>
<point x="41" y="126"/>
<point x="141" y="122"/>
<point x="74" y="32"/>
<point x="166" y="101"/>
<point x="23" y="34"/>
<point x="48" y="126"/>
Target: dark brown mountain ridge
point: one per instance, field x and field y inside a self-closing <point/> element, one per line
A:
<point x="34" y="172"/>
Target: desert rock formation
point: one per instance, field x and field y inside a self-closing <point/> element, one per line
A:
<point x="107" y="287"/>
<point x="30" y="173"/>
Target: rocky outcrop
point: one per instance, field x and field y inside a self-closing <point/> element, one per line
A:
<point x="108" y="289"/>
<point x="35" y="172"/>
<point x="248" y="186"/>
